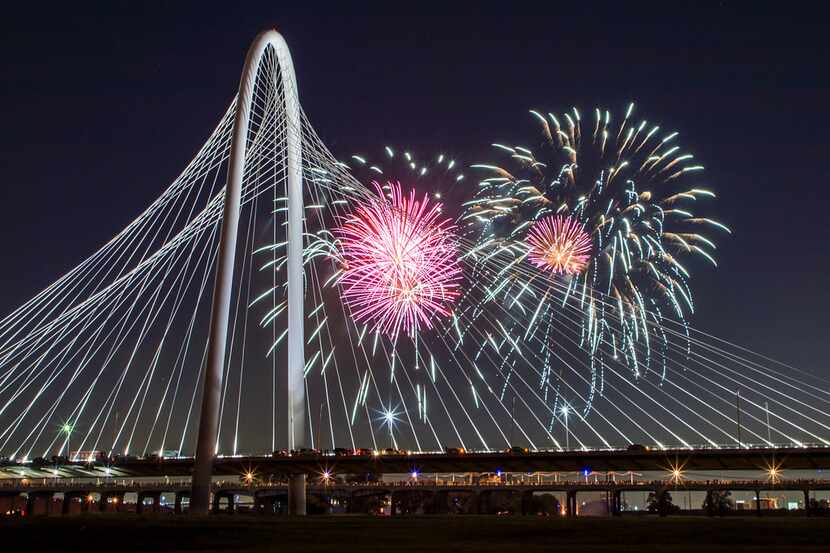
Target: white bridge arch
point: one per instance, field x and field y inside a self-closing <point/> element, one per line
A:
<point x="217" y="340"/>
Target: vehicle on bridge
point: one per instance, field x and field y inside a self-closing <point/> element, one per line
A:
<point x="125" y="458"/>
<point x="94" y="456"/>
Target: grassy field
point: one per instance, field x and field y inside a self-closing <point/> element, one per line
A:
<point x="483" y="534"/>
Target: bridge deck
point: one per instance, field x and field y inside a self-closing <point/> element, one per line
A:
<point x="761" y="459"/>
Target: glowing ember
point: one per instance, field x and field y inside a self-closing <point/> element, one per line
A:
<point x="558" y="243"/>
<point x="400" y="267"/>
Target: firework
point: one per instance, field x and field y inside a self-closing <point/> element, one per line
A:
<point x="440" y="175"/>
<point x="559" y="244"/>
<point x="400" y="268"/>
<point x="608" y="204"/>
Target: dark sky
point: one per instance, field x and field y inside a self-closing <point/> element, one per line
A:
<point x="102" y="107"/>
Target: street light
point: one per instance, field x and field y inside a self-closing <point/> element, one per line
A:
<point x="676" y="471"/>
<point x="67" y="429"/>
<point x="565" y="410"/>
<point x="389" y="417"/>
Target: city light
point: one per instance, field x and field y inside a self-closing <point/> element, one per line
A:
<point x="325" y="476"/>
<point x="66" y="428"/>
<point x="774" y="474"/>
<point x="676" y="474"/>
<point x="389" y="418"/>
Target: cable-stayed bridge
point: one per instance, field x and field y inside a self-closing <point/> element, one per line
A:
<point x="214" y="324"/>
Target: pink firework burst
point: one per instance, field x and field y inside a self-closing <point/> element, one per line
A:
<point x="559" y="243"/>
<point x="400" y="268"/>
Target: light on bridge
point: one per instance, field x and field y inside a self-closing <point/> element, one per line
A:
<point x="774" y="473"/>
<point x="676" y="474"/>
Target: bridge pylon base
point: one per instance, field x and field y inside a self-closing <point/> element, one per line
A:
<point x="297" y="495"/>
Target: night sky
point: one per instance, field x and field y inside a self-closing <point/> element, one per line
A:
<point x="102" y="108"/>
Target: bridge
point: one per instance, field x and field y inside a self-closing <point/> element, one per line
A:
<point x="129" y="357"/>
<point x="716" y="460"/>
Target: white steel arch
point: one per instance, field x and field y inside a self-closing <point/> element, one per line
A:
<point x="217" y="338"/>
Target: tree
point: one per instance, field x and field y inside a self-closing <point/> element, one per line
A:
<point x="718" y="502"/>
<point x="411" y="502"/>
<point x="819" y="505"/>
<point x="544" y="504"/>
<point x="653" y="503"/>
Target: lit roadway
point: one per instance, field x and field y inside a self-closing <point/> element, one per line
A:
<point x="789" y="458"/>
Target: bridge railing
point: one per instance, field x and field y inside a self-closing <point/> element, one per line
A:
<point x="23" y="485"/>
<point x="636" y="448"/>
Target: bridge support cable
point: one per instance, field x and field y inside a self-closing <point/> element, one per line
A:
<point x="650" y="384"/>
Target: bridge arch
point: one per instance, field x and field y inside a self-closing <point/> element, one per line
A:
<point x="217" y="338"/>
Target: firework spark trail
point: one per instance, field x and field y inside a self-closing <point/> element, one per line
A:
<point x="626" y="189"/>
<point x="506" y="345"/>
<point x="400" y="267"/>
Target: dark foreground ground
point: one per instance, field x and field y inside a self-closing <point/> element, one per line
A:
<point x="482" y="534"/>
